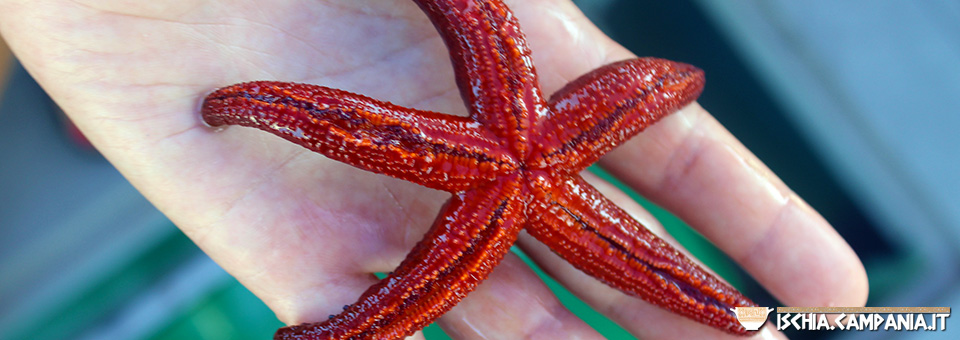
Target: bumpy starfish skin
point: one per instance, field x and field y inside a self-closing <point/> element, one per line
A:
<point x="513" y="164"/>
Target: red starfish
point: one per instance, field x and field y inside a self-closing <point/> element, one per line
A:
<point x="512" y="164"/>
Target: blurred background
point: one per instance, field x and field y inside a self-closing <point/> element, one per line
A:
<point x="853" y="103"/>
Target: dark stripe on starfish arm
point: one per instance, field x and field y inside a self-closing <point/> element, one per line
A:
<point x="436" y="150"/>
<point x="602" y="240"/>
<point x="493" y="64"/>
<point x="596" y="112"/>
<point x="469" y="238"/>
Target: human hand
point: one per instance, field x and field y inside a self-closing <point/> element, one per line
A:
<point x="132" y="76"/>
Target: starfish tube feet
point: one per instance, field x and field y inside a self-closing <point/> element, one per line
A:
<point x="469" y="238"/>
<point x="593" y="234"/>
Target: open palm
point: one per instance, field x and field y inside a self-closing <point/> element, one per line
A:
<point x="305" y="233"/>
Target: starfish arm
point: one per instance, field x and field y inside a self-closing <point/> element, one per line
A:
<point x="492" y="62"/>
<point x="602" y="240"/>
<point x="596" y="112"/>
<point x="470" y="237"/>
<point x="432" y="149"/>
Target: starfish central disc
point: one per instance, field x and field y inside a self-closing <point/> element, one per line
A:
<point x="513" y="164"/>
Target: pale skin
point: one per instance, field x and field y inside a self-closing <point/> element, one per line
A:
<point x="304" y="233"/>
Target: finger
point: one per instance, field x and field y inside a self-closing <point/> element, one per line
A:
<point x="693" y="167"/>
<point x="513" y="304"/>
<point x="601" y="239"/>
<point x="640" y="318"/>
